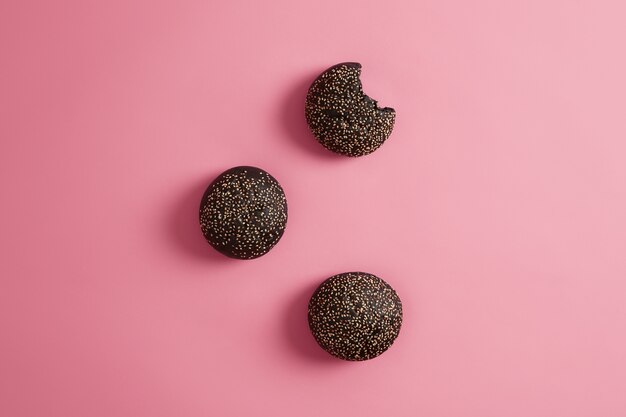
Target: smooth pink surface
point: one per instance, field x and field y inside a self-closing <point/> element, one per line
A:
<point x="497" y="209"/>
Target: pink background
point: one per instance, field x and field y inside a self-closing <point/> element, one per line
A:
<point x="497" y="209"/>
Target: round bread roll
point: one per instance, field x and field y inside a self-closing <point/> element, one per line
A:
<point x="243" y="212"/>
<point x="355" y="316"/>
<point x="342" y="117"/>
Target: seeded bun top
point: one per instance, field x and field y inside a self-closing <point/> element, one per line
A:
<point x="342" y="117"/>
<point x="243" y="213"/>
<point x="355" y="316"/>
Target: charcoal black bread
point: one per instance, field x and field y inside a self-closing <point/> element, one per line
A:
<point x="243" y="213"/>
<point x="342" y="117"/>
<point x="355" y="316"/>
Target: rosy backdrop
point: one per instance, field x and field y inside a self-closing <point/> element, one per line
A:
<point x="497" y="209"/>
